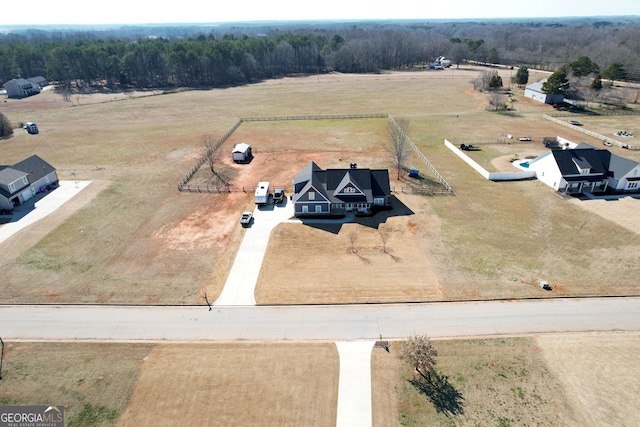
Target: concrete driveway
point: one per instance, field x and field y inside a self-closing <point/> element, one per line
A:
<point x="241" y="283"/>
<point x="28" y="213"/>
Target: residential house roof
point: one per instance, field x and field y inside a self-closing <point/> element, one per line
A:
<point x="35" y="166"/>
<point x="9" y="175"/>
<point x="536" y="86"/>
<point x="598" y="161"/>
<point x="344" y="185"/>
<point x="39" y="80"/>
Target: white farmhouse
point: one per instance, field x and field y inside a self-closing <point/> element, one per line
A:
<point x="586" y="169"/>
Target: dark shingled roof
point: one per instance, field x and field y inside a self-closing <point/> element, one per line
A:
<point x="598" y="161"/>
<point x="369" y="183"/>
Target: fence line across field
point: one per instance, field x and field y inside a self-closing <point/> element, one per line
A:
<point x="603" y="138"/>
<point x="183" y="184"/>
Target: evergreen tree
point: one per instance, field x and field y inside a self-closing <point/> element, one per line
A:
<point x="583" y="66"/>
<point x="6" y="129"/>
<point x="616" y="71"/>
<point x="557" y="83"/>
<point x="522" y="76"/>
<point x="495" y="82"/>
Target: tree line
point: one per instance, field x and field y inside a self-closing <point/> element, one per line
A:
<point x="206" y="57"/>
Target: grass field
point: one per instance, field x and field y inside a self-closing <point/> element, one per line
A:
<point x="549" y="380"/>
<point x="568" y="380"/>
<point x="92" y="381"/>
<point x="141" y="241"/>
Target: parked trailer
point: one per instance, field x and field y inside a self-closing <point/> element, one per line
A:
<point x="31" y="128"/>
<point x="261" y="196"/>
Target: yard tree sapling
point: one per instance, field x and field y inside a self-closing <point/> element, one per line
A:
<point x="398" y="147"/>
<point x="420" y="353"/>
<point x="353" y="238"/>
<point x="385" y="234"/>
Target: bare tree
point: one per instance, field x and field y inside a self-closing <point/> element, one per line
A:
<point x="497" y="102"/>
<point x="353" y="238"/>
<point x="209" y="150"/>
<point x="398" y="147"/>
<point x="385" y="234"/>
<point x="420" y="352"/>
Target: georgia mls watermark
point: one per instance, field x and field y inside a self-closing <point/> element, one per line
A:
<point x="31" y="416"/>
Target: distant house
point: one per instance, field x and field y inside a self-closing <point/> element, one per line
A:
<point x="534" y="91"/>
<point x="587" y="169"/>
<point x="25" y="179"/>
<point x="21" y="88"/>
<point x="338" y="191"/>
<point x="241" y="152"/>
<point x="39" y="80"/>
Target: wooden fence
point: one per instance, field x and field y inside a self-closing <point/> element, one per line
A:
<point x="317" y="117"/>
<point x="433" y="170"/>
<point x="206" y="155"/>
<point x="206" y="188"/>
<point x="184" y="184"/>
<point x="423" y="191"/>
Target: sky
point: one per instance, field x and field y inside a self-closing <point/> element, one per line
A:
<point x="82" y="12"/>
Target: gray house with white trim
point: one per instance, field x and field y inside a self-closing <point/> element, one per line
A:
<point x="335" y="192"/>
<point x="21" y="88"/>
<point x="25" y="179"/>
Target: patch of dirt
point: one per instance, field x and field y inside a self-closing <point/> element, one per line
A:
<point x="208" y="226"/>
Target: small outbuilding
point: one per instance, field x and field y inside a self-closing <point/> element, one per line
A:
<point x="241" y="153"/>
<point x="534" y="91"/>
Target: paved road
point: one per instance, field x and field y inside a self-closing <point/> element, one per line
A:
<point x="359" y="322"/>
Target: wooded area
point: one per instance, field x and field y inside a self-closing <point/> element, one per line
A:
<point x="153" y="57"/>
